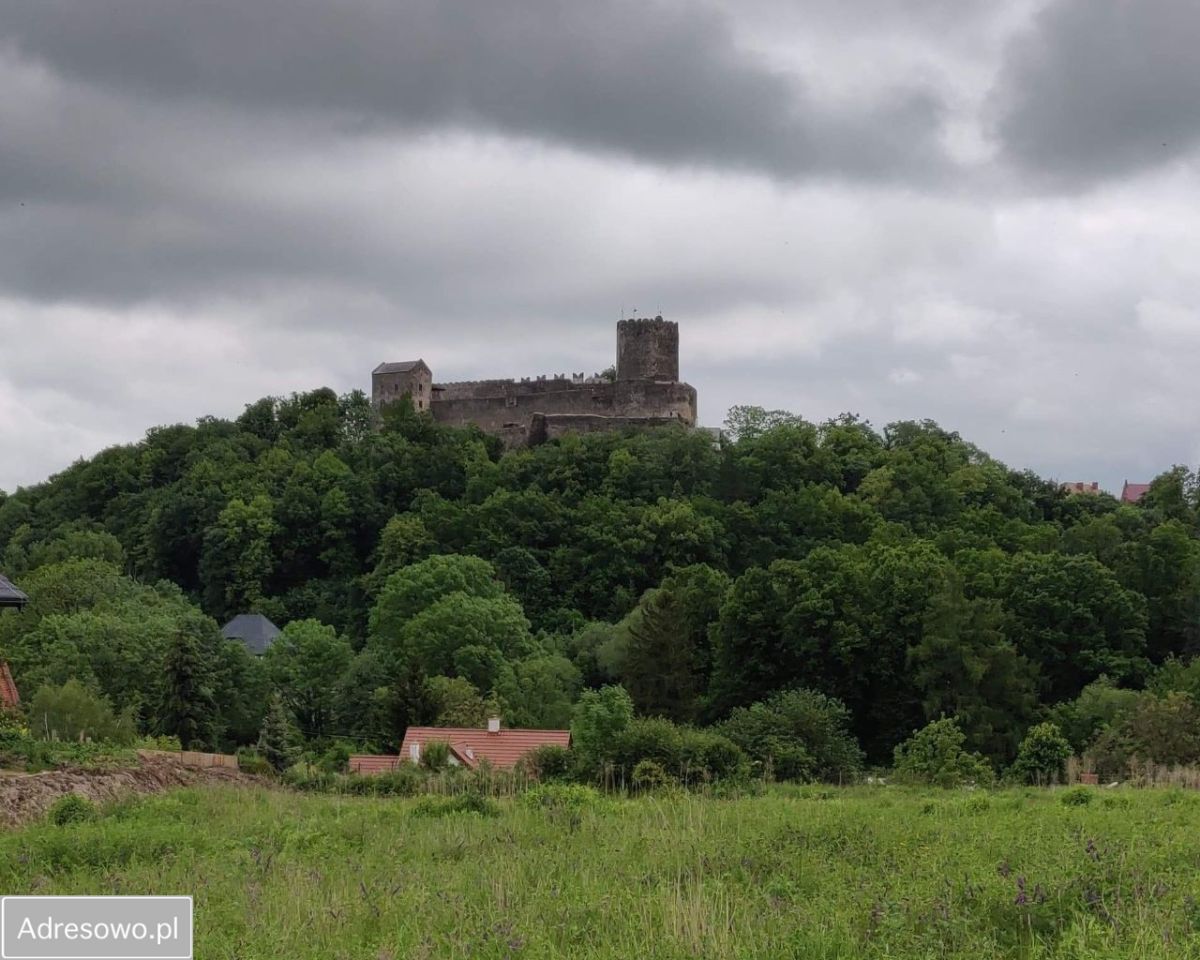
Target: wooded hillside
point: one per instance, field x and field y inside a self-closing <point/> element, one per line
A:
<point x="422" y="573"/>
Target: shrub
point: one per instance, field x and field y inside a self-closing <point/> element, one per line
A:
<point x="475" y="803"/>
<point x="253" y="762"/>
<point x="1042" y="756"/>
<point x="405" y="781"/>
<point x="303" y="776"/>
<point x="683" y="753"/>
<point x="12" y="725"/>
<point x="73" y="712"/>
<point x="935" y="755"/>
<point x="1099" y="705"/>
<point x="787" y="761"/>
<point x="649" y="775"/>
<point x="1076" y="797"/>
<point x="1167" y="729"/>
<point x="547" y="762"/>
<point x="1110" y="753"/>
<point x="563" y="796"/>
<point x="71" y="808"/>
<point x="169" y="744"/>
<point x="1163" y="730"/>
<point x="647" y="739"/>
<point x="705" y="756"/>
<point x="435" y="755"/>
<point x="335" y="759"/>
<point x="798" y="735"/>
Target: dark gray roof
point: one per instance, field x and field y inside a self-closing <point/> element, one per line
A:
<point x="253" y="629"/>
<point x="403" y="366"/>
<point x="10" y="596"/>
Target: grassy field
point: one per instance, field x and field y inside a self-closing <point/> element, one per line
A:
<point x="863" y="872"/>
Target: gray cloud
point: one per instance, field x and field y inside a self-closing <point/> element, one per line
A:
<point x="658" y="81"/>
<point x="204" y="203"/>
<point x="1096" y="89"/>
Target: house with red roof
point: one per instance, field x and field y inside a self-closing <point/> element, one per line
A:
<point x="469" y="746"/>
<point x="1133" y="492"/>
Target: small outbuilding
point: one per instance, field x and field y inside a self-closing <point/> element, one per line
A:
<point x="254" y="630"/>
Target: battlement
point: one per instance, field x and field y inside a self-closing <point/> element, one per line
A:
<point x="473" y="383"/>
<point x="647" y="323"/>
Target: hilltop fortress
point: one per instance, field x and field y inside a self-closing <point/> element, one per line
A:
<point x="645" y="391"/>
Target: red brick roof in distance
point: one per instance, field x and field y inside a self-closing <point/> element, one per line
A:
<point x="1133" y="492"/>
<point x="9" y="698"/>
<point x="470" y="745"/>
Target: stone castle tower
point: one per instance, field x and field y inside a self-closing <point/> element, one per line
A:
<point x="646" y="392"/>
<point x="648" y="350"/>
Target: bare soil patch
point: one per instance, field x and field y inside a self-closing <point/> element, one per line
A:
<point x="27" y="797"/>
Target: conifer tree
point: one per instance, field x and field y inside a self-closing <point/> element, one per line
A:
<point x="188" y="708"/>
<point x="279" y="740"/>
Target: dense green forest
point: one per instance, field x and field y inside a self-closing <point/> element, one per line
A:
<point x="891" y="576"/>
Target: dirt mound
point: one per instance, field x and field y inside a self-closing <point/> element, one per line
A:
<point x="27" y="797"/>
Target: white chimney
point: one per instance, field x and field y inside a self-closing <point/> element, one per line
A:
<point x="493" y="724"/>
<point x="414" y="751"/>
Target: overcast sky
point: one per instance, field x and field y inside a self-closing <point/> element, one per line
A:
<point x="984" y="212"/>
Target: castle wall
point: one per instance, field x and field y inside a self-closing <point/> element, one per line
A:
<point x="502" y="406"/>
<point x="543" y="427"/>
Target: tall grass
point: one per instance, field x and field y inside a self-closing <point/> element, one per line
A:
<point x="825" y="873"/>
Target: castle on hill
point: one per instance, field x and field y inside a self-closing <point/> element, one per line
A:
<point x="645" y="391"/>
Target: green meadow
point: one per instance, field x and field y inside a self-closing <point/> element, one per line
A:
<point x="803" y="872"/>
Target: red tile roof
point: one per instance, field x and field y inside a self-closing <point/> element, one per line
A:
<point x="472" y="744"/>
<point x="367" y="763"/>
<point x="1133" y="492"/>
<point x="9" y="698"/>
<point x="469" y="745"/>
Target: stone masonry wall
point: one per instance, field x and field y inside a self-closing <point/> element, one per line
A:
<point x="390" y="387"/>
<point x="647" y="349"/>
<point x="505" y="405"/>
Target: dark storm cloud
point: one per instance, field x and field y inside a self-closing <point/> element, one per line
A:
<point x="204" y="202"/>
<point x="1097" y="89"/>
<point x="663" y="82"/>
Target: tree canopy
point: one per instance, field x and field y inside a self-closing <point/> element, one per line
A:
<point x="900" y="572"/>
